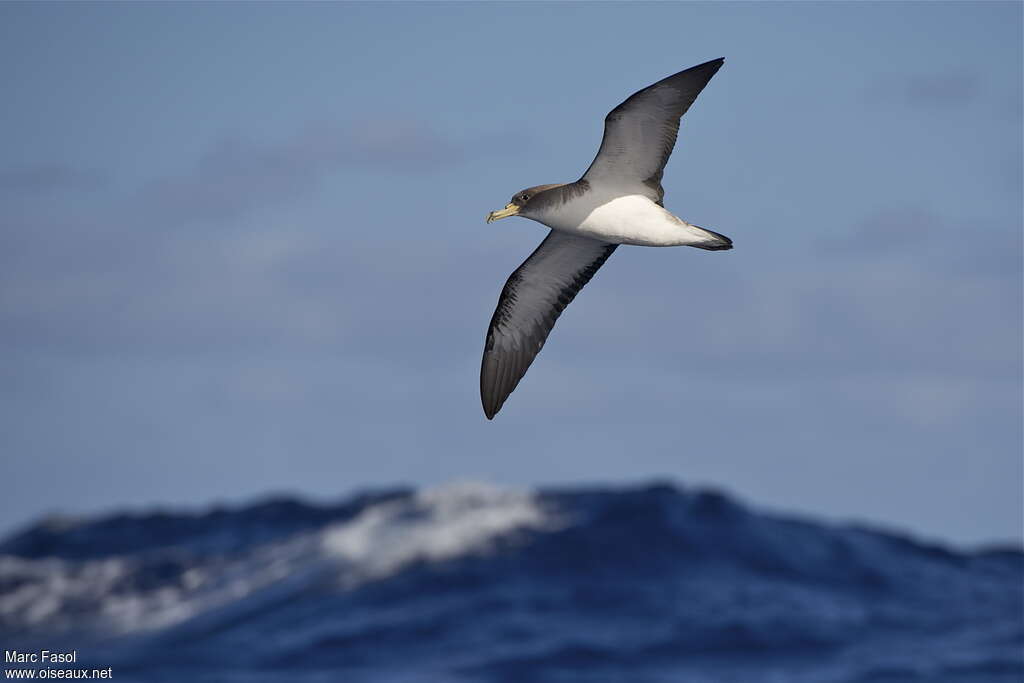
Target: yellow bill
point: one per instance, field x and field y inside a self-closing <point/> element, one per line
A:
<point x="509" y="210"/>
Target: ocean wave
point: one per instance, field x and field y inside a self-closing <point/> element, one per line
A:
<point x="167" y="583"/>
<point x="475" y="582"/>
<point x="433" y="525"/>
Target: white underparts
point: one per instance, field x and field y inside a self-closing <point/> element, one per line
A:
<point x="624" y="219"/>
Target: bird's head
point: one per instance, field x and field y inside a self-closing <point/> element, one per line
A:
<point x="521" y="202"/>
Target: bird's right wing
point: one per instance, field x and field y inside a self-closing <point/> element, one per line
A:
<point x="533" y="298"/>
<point x="640" y="133"/>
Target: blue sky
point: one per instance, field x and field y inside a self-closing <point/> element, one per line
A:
<point x="242" y="251"/>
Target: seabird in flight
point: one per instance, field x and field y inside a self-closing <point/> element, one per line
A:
<point x="617" y="201"/>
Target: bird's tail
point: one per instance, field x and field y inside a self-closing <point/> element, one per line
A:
<point x="714" y="241"/>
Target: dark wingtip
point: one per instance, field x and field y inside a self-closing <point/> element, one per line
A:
<point x="490" y="410"/>
<point x="709" y="68"/>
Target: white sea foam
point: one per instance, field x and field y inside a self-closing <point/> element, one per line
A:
<point x="434" y="525"/>
<point x="120" y="595"/>
<point x="99" y="596"/>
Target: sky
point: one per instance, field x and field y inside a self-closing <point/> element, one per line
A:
<point x="243" y="252"/>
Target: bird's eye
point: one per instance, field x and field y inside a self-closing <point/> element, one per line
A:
<point x="526" y="197"/>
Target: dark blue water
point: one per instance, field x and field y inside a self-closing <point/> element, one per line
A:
<point x="471" y="583"/>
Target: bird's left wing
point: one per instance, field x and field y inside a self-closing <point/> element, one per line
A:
<point x="640" y="133"/>
<point x="533" y="298"/>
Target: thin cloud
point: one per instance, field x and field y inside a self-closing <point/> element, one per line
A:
<point x="399" y="146"/>
<point x="928" y="91"/>
<point x="123" y="280"/>
<point x="43" y="178"/>
<point x="919" y="238"/>
<point x="237" y="176"/>
<point x="885" y="231"/>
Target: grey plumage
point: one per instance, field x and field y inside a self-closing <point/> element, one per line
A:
<point x="531" y="301"/>
<point x="617" y="200"/>
<point x="640" y="133"/>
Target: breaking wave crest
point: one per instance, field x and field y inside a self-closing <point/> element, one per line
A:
<point x="168" y="584"/>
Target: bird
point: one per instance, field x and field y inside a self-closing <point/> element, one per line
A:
<point x="618" y="200"/>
